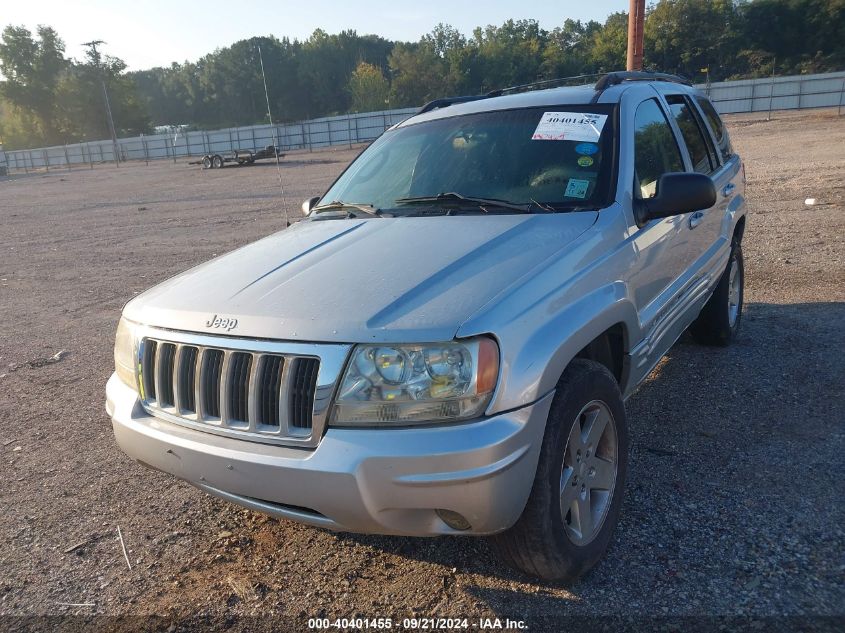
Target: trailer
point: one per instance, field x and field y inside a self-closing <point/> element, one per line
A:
<point x="240" y="156"/>
<point x="4" y="165"/>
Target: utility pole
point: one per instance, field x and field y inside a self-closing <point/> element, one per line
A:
<point x="96" y="56"/>
<point x="636" y="18"/>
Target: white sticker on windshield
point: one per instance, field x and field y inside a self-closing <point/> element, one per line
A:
<point x="576" y="188"/>
<point x="569" y="126"/>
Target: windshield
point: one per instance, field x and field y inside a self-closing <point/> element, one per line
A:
<point x="555" y="158"/>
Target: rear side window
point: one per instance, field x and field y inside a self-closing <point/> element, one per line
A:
<point x="698" y="142"/>
<point x="718" y="127"/>
<point x="655" y="149"/>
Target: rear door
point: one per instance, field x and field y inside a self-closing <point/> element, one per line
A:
<point x="728" y="178"/>
<point x="709" y="153"/>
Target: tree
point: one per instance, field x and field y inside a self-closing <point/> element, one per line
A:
<point x="369" y="89"/>
<point x="684" y="36"/>
<point x="796" y="35"/>
<point x="418" y="74"/>
<point x="32" y="69"/>
<point x="83" y="113"/>
<point x="510" y="54"/>
<point x="566" y="51"/>
<point x="609" y="45"/>
<point x="46" y="98"/>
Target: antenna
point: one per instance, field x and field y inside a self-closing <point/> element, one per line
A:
<point x="96" y="57"/>
<point x="275" y="138"/>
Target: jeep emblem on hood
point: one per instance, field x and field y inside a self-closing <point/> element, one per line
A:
<point x="223" y="323"/>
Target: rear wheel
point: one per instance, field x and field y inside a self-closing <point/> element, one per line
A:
<point x="577" y="494"/>
<point x="206" y="162"/>
<point x="720" y="318"/>
<point x="217" y="161"/>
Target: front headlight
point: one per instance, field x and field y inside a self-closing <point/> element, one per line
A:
<point x="398" y="385"/>
<point x="124" y="353"/>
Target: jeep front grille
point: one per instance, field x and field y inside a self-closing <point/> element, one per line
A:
<point x="262" y="391"/>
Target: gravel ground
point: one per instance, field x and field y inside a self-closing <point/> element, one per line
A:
<point x="734" y="503"/>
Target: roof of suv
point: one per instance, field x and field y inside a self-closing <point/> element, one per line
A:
<point x="603" y="91"/>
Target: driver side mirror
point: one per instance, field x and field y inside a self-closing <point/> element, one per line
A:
<point x="677" y="193"/>
<point x="309" y="204"/>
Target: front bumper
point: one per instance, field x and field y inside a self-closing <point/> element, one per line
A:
<point x="384" y="481"/>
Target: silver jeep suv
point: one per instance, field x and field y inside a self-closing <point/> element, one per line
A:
<point x="445" y="343"/>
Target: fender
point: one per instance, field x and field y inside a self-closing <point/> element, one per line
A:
<point x="543" y="353"/>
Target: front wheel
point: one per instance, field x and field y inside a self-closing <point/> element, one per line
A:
<point x="206" y="162"/>
<point x="577" y="493"/>
<point x="720" y="318"/>
<point x="217" y="161"/>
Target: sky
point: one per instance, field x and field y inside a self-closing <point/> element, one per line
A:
<point x="147" y="33"/>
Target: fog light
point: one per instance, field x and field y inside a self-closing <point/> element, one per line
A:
<point x="454" y="520"/>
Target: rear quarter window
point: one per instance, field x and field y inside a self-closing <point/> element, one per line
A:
<point x="697" y="139"/>
<point x="717" y="125"/>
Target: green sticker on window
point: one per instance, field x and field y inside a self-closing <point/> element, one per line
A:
<point x="585" y="161"/>
<point x="577" y="188"/>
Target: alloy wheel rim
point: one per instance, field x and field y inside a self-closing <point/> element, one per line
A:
<point x="734" y="293"/>
<point x="588" y="472"/>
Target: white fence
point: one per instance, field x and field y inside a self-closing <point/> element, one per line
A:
<point x="306" y="135"/>
<point x="778" y="93"/>
<point x="750" y="95"/>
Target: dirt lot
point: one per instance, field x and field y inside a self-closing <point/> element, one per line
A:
<point x="734" y="503"/>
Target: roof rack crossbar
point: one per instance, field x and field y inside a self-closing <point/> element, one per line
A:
<point x="616" y="78"/>
<point x="534" y="85"/>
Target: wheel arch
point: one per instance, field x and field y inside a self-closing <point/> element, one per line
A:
<point x="608" y="348"/>
<point x="739" y="229"/>
<point x="601" y="325"/>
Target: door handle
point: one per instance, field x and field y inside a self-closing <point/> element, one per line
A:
<point x="695" y="219"/>
<point x="729" y="189"/>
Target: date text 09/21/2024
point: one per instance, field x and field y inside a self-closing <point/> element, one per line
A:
<point x="417" y="624"/>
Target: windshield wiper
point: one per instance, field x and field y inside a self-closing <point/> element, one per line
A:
<point x="481" y="203"/>
<point x="339" y="205"/>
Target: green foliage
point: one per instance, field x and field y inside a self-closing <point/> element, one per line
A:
<point x="46" y="98"/>
<point x="32" y="68"/>
<point x="49" y="100"/>
<point x="368" y="88"/>
<point x="417" y="73"/>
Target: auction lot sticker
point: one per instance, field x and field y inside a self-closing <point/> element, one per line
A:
<point x="569" y="126"/>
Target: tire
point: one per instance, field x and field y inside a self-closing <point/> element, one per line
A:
<point x="206" y="162"/>
<point x="720" y="318"/>
<point x="546" y="541"/>
<point x="217" y="161"/>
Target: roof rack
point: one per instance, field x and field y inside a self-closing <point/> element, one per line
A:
<point x="534" y="85"/>
<point x="537" y="85"/>
<point x="615" y="78"/>
<point x="605" y="81"/>
<point x="447" y="101"/>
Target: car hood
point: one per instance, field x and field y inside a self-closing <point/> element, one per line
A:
<point x="357" y="280"/>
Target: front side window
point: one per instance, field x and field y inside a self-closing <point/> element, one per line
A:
<point x="701" y="149"/>
<point x="553" y="157"/>
<point x="655" y="150"/>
